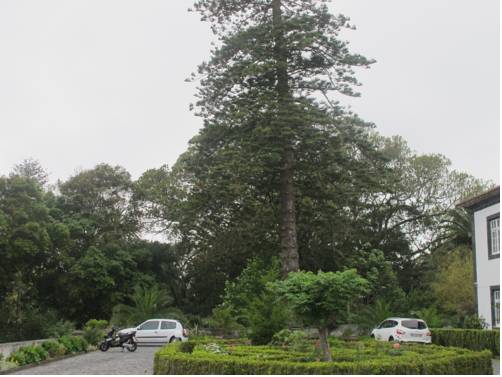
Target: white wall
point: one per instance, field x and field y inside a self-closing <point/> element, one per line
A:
<point x="487" y="270"/>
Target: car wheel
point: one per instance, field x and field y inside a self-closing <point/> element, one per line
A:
<point x="372" y="336"/>
<point x="174" y="339"/>
<point x="391" y="339"/>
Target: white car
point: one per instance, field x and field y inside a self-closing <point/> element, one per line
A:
<point x="159" y="331"/>
<point x="403" y="330"/>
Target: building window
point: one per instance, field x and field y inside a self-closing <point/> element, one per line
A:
<point x="493" y="236"/>
<point x="495" y="298"/>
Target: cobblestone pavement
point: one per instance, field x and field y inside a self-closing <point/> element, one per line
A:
<point x="111" y="362"/>
<point x="496" y="366"/>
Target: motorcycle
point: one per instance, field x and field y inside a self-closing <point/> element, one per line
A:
<point x="121" y="339"/>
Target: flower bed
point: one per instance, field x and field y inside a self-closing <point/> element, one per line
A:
<point x="466" y="338"/>
<point x="362" y="357"/>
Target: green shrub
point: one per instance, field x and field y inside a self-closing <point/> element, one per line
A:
<point x="468" y="338"/>
<point x="474" y="322"/>
<point x="5" y="365"/>
<point x="59" y="328"/>
<point x="28" y="355"/>
<point x="294" y="340"/>
<point x="54" y="348"/>
<point x="431" y="316"/>
<point x="17" y="357"/>
<point x="73" y="344"/>
<point x="223" y="321"/>
<point x="94" y="331"/>
<point x="265" y="317"/>
<point x="366" y="357"/>
<point x="248" y="306"/>
<point x="186" y="347"/>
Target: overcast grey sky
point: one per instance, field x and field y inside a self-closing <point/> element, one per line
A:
<point x="83" y="82"/>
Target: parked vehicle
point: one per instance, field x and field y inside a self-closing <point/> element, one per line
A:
<point x="403" y="330"/>
<point x="160" y="331"/>
<point x="124" y="338"/>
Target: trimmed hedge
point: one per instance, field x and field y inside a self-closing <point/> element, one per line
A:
<point x="354" y="358"/>
<point x="476" y="340"/>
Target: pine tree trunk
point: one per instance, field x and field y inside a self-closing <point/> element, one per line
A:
<point x="323" y="337"/>
<point x="289" y="246"/>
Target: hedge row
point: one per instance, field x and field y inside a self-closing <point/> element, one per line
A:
<point x="48" y="349"/>
<point x="177" y="359"/>
<point x="476" y="340"/>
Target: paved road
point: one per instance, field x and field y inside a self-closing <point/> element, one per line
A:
<point x="496" y="366"/>
<point x="111" y="362"/>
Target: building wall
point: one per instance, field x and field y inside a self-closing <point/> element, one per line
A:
<point x="487" y="270"/>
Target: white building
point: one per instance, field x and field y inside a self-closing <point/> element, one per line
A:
<point x="485" y="209"/>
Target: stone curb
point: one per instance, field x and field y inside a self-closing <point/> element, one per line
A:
<point x="48" y="361"/>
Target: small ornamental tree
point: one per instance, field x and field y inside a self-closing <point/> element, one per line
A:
<point x="321" y="299"/>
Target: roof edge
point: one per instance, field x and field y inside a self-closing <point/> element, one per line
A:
<point x="484" y="199"/>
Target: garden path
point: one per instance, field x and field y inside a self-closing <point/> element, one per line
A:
<point x="111" y="362"/>
<point x="496" y="366"/>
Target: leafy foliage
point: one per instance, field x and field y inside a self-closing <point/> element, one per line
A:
<point x="54" y="348"/>
<point x="28" y="355"/>
<point x="296" y="341"/>
<point x="322" y="299"/>
<point x="74" y="344"/>
<point x="448" y="285"/>
<point x="368" y="357"/>
<point x="147" y="302"/>
<point x="94" y="331"/>
<point x="468" y="338"/>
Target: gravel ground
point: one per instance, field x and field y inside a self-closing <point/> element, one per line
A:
<point x="111" y="362"/>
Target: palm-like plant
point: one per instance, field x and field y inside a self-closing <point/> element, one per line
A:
<point x="458" y="227"/>
<point x="147" y="302"/>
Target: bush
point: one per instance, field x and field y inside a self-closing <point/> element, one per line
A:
<point x="369" y="357"/>
<point x="5" y="365"/>
<point x="186" y="347"/>
<point x="294" y="340"/>
<point x="94" y="331"/>
<point x="73" y="344"/>
<point x="431" y="316"/>
<point x="467" y="338"/>
<point x="59" y="328"/>
<point x="474" y="322"/>
<point x="223" y="321"/>
<point x="265" y="317"/>
<point x="28" y="355"/>
<point x="54" y="348"/>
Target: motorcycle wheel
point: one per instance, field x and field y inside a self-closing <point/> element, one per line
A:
<point x="104" y="346"/>
<point x="133" y="346"/>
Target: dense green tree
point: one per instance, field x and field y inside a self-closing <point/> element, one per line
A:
<point x="451" y="283"/>
<point x="321" y="299"/>
<point x="265" y="98"/>
<point x="31" y="169"/>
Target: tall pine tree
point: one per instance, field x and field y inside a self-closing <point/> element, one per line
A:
<point x="266" y="92"/>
